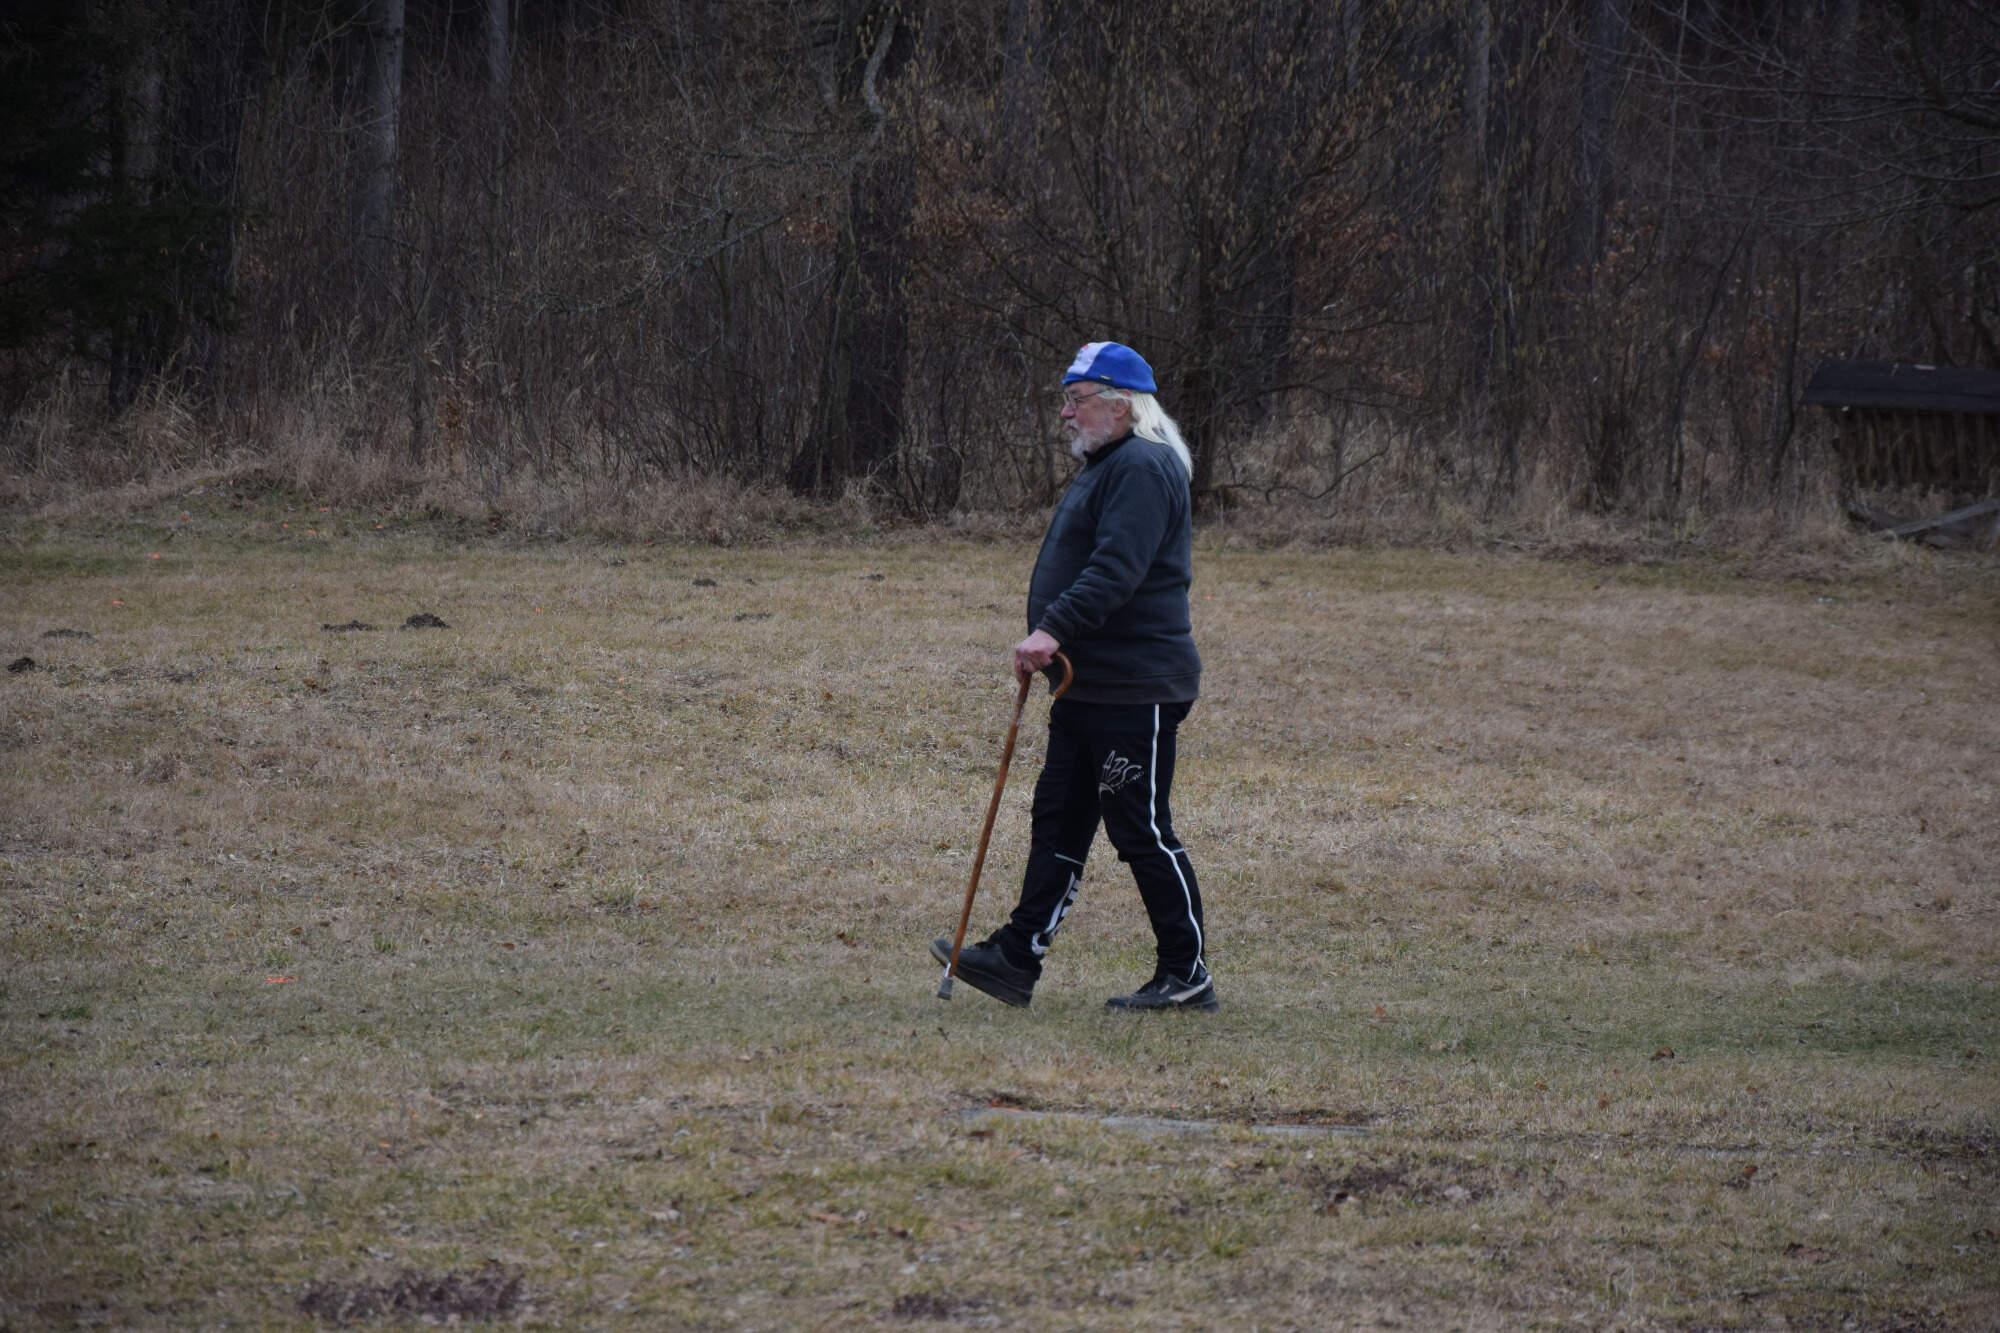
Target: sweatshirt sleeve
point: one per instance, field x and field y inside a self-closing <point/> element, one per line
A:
<point x="1134" y="508"/>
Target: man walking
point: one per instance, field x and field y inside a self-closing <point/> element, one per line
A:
<point x="1110" y="591"/>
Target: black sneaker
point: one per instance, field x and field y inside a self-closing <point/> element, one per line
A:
<point x="1167" y="991"/>
<point x="984" y="967"/>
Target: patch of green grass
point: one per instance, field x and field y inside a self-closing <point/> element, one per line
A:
<point x="67" y="562"/>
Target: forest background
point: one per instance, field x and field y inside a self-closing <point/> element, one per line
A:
<point x="575" y="261"/>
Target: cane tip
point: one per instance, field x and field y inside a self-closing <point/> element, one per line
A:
<point x="944" y="989"/>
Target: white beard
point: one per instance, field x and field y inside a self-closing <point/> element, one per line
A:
<point x="1083" y="443"/>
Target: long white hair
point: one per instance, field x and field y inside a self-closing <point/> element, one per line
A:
<point x="1151" y="422"/>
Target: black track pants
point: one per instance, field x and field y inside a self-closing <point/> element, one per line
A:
<point x="1113" y="764"/>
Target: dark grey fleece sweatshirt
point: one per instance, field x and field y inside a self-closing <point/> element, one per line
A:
<point x="1111" y="582"/>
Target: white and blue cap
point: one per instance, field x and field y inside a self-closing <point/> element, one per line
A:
<point x="1111" y="363"/>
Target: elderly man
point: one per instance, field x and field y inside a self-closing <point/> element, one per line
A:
<point x="1110" y="591"/>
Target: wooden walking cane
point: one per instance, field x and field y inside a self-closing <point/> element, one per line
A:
<point x="992" y="809"/>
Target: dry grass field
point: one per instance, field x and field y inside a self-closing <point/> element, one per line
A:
<point x="1602" y="943"/>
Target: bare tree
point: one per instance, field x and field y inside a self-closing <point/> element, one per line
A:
<point x="1207" y="183"/>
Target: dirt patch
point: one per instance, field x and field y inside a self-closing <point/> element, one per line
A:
<point x="170" y="675"/>
<point x="1401" y="1180"/>
<point x="930" y="1305"/>
<point x="1977" y="1150"/>
<point x="997" y="1112"/>
<point x="489" y="1293"/>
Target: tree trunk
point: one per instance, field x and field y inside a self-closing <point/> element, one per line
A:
<point x="138" y="177"/>
<point x="857" y="423"/>
<point x="499" y="79"/>
<point x="1605" y="57"/>
<point x="179" y="114"/>
<point x="207" y="145"/>
<point x="489" y="419"/>
<point x="1478" y="79"/>
<point x="858" y="420"/>
<point x="1197" y="400"/>
<point x="375" y="235"/>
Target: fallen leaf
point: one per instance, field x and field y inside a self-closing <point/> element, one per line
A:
<point x="1664" y="1053"/>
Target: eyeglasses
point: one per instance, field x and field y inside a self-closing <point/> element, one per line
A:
<point x="1077" y="400"/>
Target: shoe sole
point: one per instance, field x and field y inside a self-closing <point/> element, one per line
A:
<point x="1195" y="1004"/>
<point x="984" y="982"/>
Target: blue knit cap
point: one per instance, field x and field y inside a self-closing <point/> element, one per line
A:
<point x="1111" y="363"/>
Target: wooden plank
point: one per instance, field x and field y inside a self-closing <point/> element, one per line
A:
<point x="1961" y="521"/>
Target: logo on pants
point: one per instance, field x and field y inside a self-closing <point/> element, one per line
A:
<point x="1118" y="773"/>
